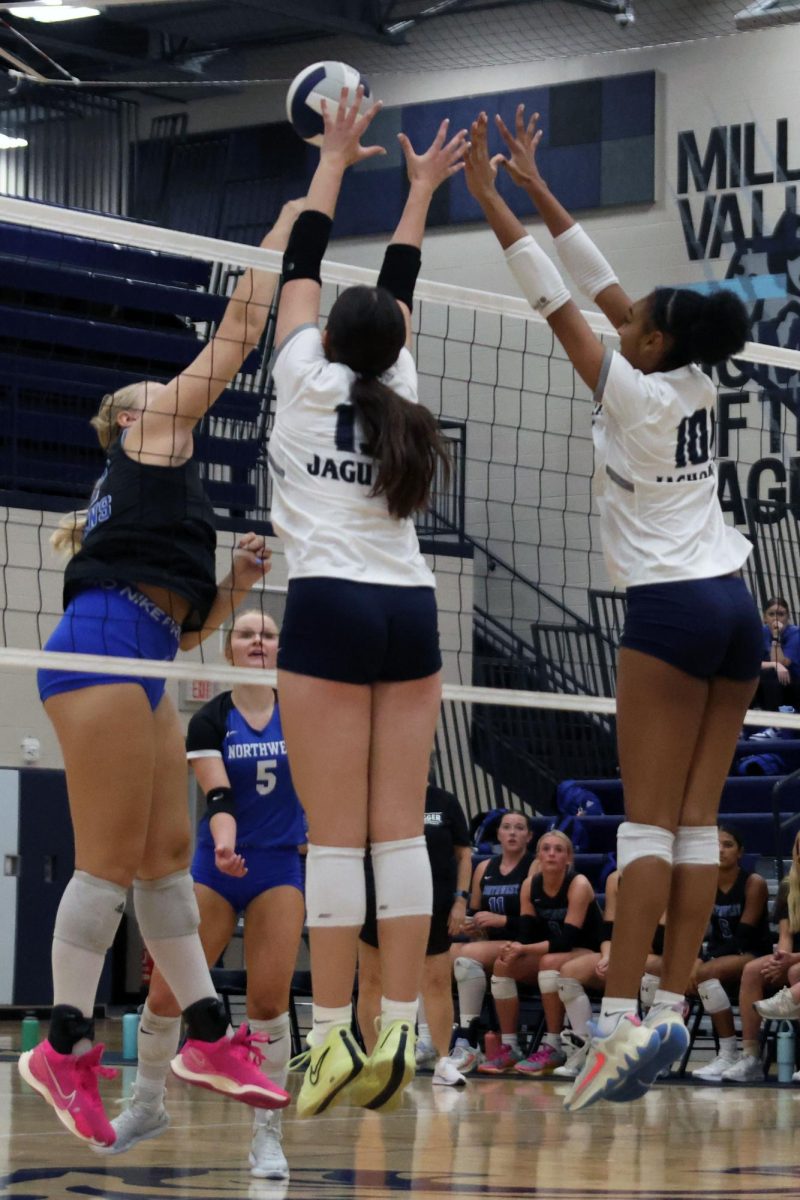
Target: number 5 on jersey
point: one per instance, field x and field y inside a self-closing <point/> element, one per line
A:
<point x="266" y="777"/>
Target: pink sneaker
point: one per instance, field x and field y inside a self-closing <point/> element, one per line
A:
<point x="231" y="1066"/>
<point x="542" y="1062"/>
<point x="69" y="1083"/>
<point x="505" y="1060"/>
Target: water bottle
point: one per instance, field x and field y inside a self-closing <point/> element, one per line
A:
<point x="130" y="1033"/>
<point x="785" y="1051"/>
<point x="31" y="1032"/>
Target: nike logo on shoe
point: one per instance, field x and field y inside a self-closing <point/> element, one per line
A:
<point x="313" y="1072"/>
<point x="67" y="1100"/>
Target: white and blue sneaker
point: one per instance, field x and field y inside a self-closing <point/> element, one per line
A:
<point x="612" y="1061"/>
<point x="674" y="1042"/>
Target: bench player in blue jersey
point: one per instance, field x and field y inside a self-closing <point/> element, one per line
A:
<point x="247" y="861"/>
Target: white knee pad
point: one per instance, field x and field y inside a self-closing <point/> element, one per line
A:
<point x="548" y="982"/>
<point x="166" y="907"/>
<point x="468" y="968"/>
<point x="403" y="883"/>
<point x="90" y="912"/>
<point x="503" y="988"/>
<point x="696" y="846"/>
<point x="714" y="997"/>
<point x="643" y="841"/>
<point x="568" y="989"/>
<point x="335" y="889"/>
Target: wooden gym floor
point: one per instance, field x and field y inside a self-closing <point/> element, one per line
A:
<point x="502" y="1139"/>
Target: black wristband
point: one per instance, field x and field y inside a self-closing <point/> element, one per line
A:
<point x="308" y="242"/>
<point x="401" y="264"/>
<point x="460" y="895"/>
<point x="220" y="800"/>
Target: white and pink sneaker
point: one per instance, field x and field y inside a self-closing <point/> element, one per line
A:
<point x="68" y="1082"/>
<point x="230" y="1066"/>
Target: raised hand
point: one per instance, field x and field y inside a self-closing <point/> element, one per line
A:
<point x="343" y="131"/>
<point x="480" y="171"/>
<point x="441" y="160"/>
<point x="251" y="560"/>
<point x="522" y="146"/>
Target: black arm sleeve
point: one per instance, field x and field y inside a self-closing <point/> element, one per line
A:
<point x="747" y="938"/>
<point x="401" y="264"/>
<point x="308" y="242"/>
<point x="220" y="800"/>
<point x="608" y="931"/>
<point x="528" y="928"/>
<point x="565" y="940"/>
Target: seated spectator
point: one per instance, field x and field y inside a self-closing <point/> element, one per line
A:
<point x="559" y="920"/>
<point x="769" y="974"/>
<point x="450" y="854"/>
<point x="779" y="684"/>
<point x="493" y="921"/>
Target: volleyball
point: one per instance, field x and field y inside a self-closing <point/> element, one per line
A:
<point x="321" y="81"/>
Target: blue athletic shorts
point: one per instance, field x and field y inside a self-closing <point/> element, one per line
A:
<point x="705" y="627"/>
<point x="114" y="620"/>
<point x="359" y="632"/>
<point x="278" y="866"/>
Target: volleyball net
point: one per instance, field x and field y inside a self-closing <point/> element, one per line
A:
<point x="529" y="624"/>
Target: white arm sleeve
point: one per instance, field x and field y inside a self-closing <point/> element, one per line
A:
<point x="537" y="276"/>
<point x="583" y="261"/>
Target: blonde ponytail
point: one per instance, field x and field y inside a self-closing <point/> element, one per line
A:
<point x="67" y="537"/>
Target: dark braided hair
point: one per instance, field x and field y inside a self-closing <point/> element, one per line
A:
<point x="366" y="332"/>
<point x="703" y="329"/>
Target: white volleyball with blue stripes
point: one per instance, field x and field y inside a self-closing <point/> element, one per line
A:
<point x="321" y="81"/>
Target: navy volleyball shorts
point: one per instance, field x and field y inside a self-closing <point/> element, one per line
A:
<point x="359" y="632"/>
<point x="267" y="868"/>
<point x="438" y="938"/>
<point x="115" y="620"/>
<point x="705" y="627"/>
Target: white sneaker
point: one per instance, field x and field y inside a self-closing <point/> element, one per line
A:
<point x="465" y="1058"/>
<point x="267" y="1160"/>
<point x="576" y="1050"/>
<point x="425" y="1053"/>
<point x="782" y="1004"/>
<point x="765" y="735"/>
<point x="447" y="1074"/>
<point x="136" y="1123"/>
<point x="713" y="1071"/>
<point x="747" y="1069"/>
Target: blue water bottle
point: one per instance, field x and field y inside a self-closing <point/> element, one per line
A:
<point x="130" y="1032"/>
<point x="785" y="1051"/>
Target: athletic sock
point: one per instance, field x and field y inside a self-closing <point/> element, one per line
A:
<point x="612" y="1009"/>
<point x="398" y="1010"/>
<point x="324" y="1020"/>
<point x="157" y="1045"/>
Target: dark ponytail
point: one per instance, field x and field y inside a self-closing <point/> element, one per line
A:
<point x="704" y="329"/>
<point x="366" y="332"/>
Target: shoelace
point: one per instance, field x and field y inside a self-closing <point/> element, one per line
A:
<point x="245" y="1044"/>
<point x="90" y="1069"/>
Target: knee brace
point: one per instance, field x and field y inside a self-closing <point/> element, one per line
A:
<point x="403" y="883"/>
<point x="714" y="997"/>
<point x="468" y="968"/>
<point x="548" y="983"/>
<point x="503" y="988"/>
<point x="696" y="846"/>
<point x="643" y="841"/>
<point x="166" y="907"/>
<point x="90" y="912"/>
<point x="568" y="989"/>
<point x="335" y="889"/>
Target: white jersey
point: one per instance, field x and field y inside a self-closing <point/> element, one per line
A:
<point x="655" y="479"/>
<point x="321" y="504"/>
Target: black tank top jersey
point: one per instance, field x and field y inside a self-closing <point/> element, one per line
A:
<point x="551" y="913"/>
<point x="725" y="917"/>
<point x="500" y="894"/>
<point x="151" y="525"/>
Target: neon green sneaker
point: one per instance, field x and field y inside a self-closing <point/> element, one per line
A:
<point x="332" y="1065"/>
<point x="388" y="1070"/>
